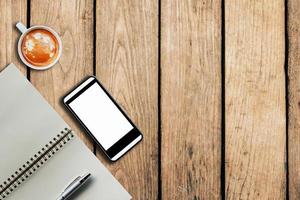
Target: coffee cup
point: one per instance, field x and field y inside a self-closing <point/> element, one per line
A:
<point x="39" y="47"/>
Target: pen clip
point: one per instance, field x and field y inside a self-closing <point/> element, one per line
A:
<point x="72" y="182"/>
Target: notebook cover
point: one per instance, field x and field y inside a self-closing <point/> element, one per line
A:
<point x="27" y="123"/>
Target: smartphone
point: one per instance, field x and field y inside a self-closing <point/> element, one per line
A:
<point x="102" y="118"/>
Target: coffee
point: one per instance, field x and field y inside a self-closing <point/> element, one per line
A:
<point x="40" y="47"/>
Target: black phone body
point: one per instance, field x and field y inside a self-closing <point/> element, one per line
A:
<point x="102" y="118"/>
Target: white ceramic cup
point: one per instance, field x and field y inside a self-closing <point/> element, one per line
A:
<point x="24" y="32"/>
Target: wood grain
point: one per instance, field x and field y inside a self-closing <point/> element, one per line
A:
<point x="294" y="98"/>
<point x="127" y="65"/>
<point x="255" y="99"/>
<point x="11" y="12"/>
<point x="191" y="99"/>
<point x="73" y="20"/>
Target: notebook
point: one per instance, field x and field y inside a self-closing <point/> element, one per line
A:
<point x="40" y="155"/>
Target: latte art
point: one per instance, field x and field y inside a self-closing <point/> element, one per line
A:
<point x="40" y="47"/>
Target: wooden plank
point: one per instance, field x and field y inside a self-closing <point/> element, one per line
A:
<point x="73" y="20"/>
<point x="294" y="96"/>
<point x="255" y="99"/>
<point x="11" y="12"/>
<point x="191" y="99"/>
<point x="127" y="65"/>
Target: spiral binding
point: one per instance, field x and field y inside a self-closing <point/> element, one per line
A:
<point x="35" y="162"/>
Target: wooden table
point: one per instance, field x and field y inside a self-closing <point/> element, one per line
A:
<point x="213" y="85"/>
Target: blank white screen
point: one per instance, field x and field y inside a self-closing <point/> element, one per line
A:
<point x="101" y="116"/>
